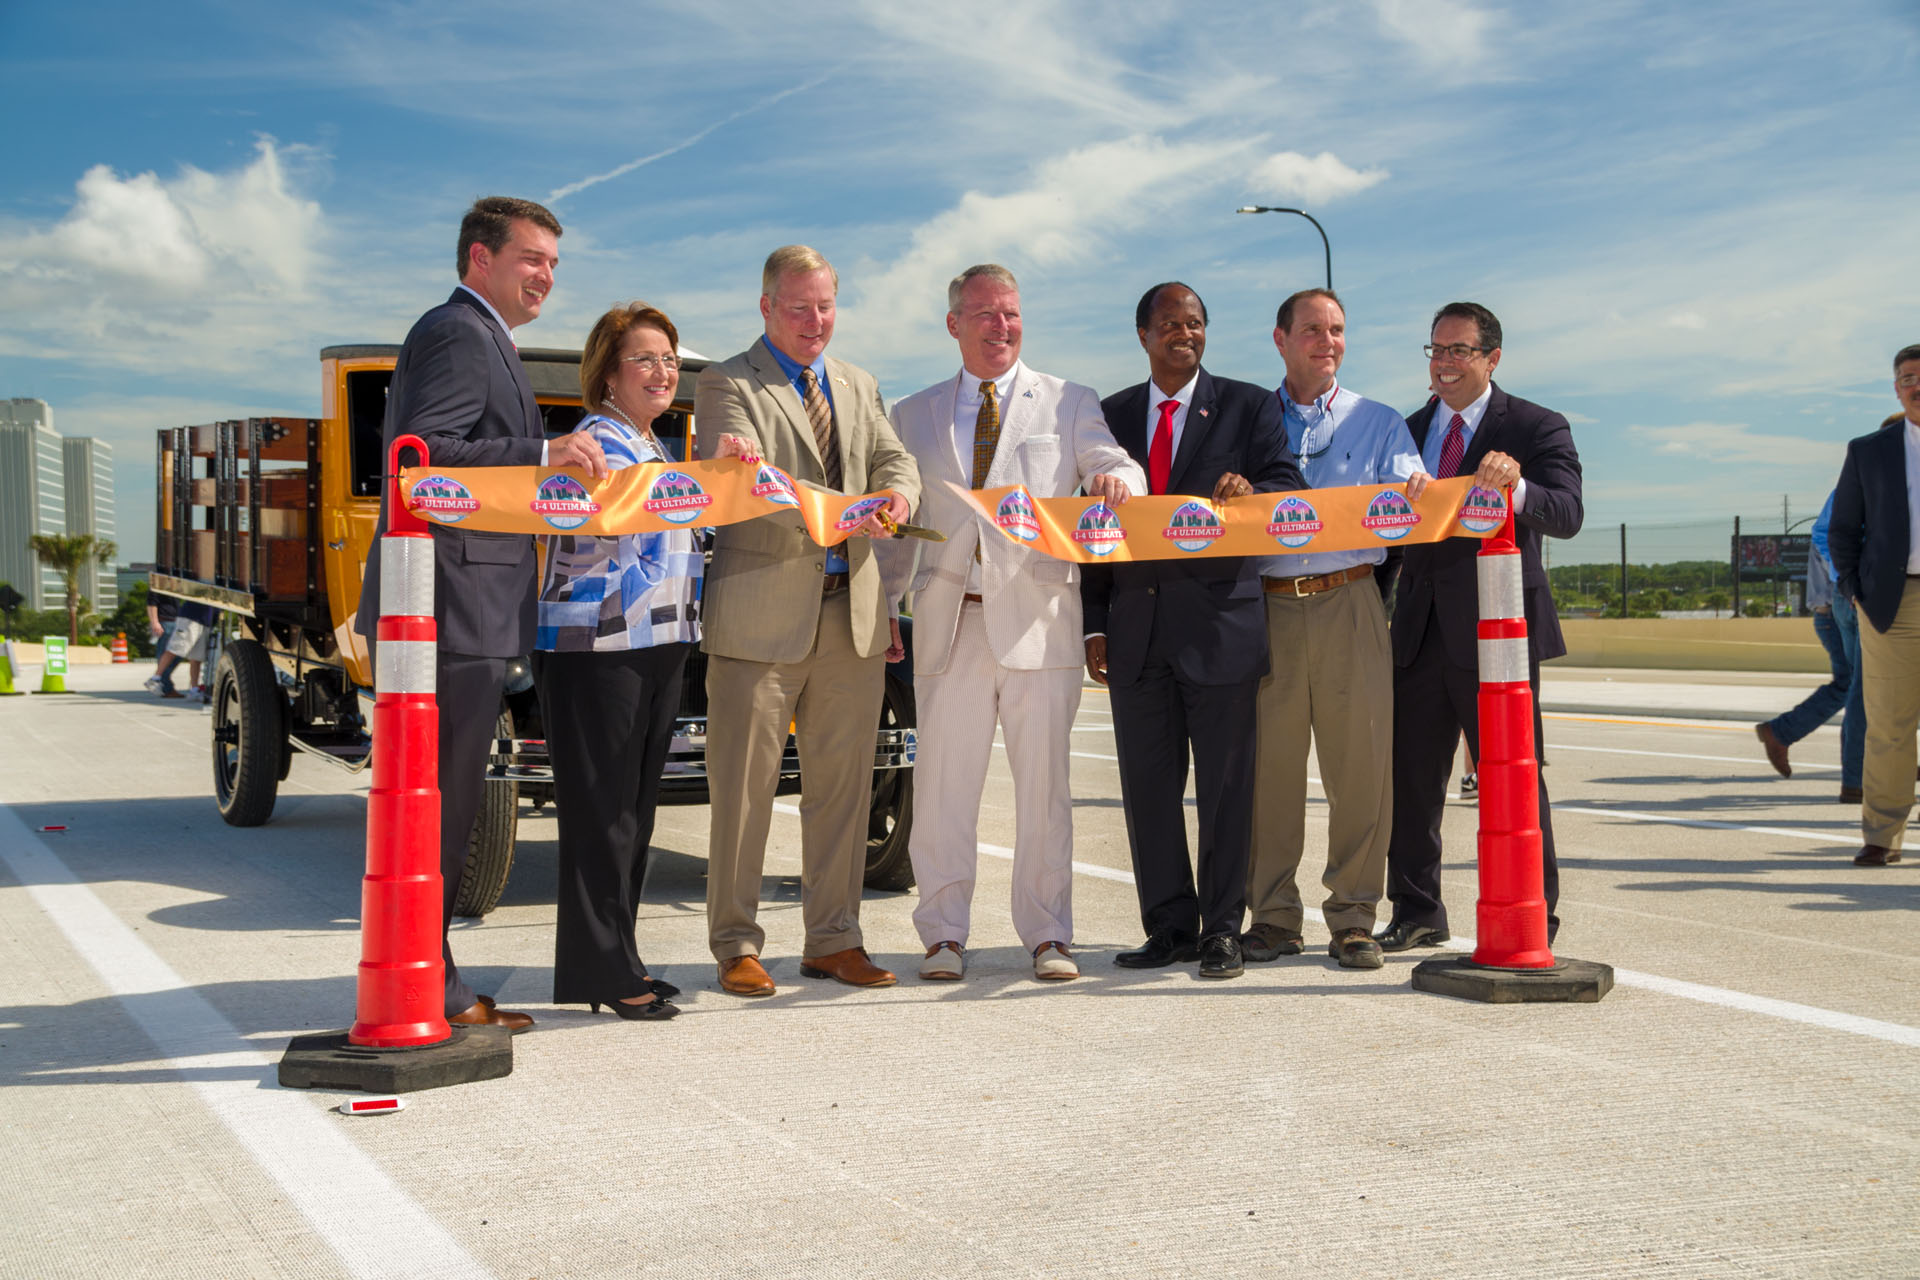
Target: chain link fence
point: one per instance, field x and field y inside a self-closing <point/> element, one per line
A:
<point x="1679" y="569"/>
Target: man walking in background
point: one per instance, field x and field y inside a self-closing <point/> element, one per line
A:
<point x="1838" y="629"/>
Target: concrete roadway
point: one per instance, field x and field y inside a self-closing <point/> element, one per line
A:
<point x="1740" y="1105"/>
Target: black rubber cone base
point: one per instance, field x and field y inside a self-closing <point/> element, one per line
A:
<point x="325" y="1060"/>
<point x="1568" y="982"/>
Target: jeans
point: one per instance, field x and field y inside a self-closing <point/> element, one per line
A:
<point x="1818" y="707"/>
<point x="1853" y="724"/>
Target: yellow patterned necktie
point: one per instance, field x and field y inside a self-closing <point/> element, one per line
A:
<point x="820" y="414"/>
<point x="986" y="433"/>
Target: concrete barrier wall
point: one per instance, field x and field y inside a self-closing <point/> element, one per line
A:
<point x="33" y="654"/>
<point x="1695" y="644"/>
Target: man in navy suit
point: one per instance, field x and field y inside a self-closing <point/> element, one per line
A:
<point x="1877" y="560"/>
<point x="1183" y="644"/>
<point x="459" y="386"/>
<point x="1470" y="427"/>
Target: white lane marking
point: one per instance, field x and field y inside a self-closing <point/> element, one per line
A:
<point x="1678" y="755"/>
<point x="1093" y="728"/>
<point x="1786" y="1010"/>
<point x="365" y="1217"/>
<point x="1707" y="824"/>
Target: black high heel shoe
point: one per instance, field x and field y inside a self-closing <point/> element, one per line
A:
<point x="657" y="1009"/>
<point x="665" y="990"/>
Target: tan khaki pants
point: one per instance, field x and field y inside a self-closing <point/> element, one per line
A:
<point x="1890" y="690"/>
<point x="832" y="696"/>
<point x="1332" y="673"/>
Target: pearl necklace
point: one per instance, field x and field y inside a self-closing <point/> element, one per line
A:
<point x="645" y="433"/>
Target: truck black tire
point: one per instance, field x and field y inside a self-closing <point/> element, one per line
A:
<point x="890" y="820"/>
<point x="490" y="846"/>
<point x="249" y="734"/>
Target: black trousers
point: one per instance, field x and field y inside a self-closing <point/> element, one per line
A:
<point x="1157" y="719"/>
<point x="1434" y="702"/>
<point x="468" y="696"/>
<point x="609" y="720"/>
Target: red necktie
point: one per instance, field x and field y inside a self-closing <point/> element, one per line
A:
<point x="1160" y="455"/>
<point x="1453" y="448"/>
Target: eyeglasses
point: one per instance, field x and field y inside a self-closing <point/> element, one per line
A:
<point x="1458" y="350"/>
<point x="653" y="364"/>
<point x="1907" y="381"/>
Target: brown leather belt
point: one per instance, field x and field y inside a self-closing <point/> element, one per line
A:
<point x="833" y="582"/>
<point x="972" y="598"/>
<point x="1315" y="585"/>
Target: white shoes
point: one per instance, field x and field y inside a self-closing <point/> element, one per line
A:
<point x="1052" y="962"/>
<point x="945" y="962"/>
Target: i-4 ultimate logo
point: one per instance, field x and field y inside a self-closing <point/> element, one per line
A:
<point x="443" y="498"/>
<point x="1483" y="510"/>
<point x="1193" y="527"/>
<point x="1015" y="515"/>
<point x="1098" y="530"/>
<point x="772" y="484"/>
<point x="1294" y="522"/>
<point x="676" y="497"/>
<point x="563" y="503"/>
<point x="1389" y="515"/>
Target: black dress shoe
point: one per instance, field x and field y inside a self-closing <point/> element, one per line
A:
<point x="1220" y="957"/>
<point x="1401" y="936"/>
<point x="1876" y="855"/>
<point x="1159" y="951"/>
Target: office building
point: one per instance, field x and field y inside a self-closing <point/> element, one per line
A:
<point x="89" y="490"/>
<point x="33" y="499"/>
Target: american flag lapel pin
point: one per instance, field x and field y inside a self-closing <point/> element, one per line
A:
<point x="1203" y="413"/>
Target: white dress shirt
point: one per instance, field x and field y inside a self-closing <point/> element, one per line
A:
<point x="966" y="417"/>
<point x="1913" y="496"/>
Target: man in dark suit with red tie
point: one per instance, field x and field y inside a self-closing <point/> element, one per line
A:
<point x="1471" y="427"/>
<point x="458" y="384"/>
<point x="1182" y="644"/>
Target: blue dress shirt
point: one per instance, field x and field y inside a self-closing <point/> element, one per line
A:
<point x="836" y="558"/>
<point x="1342" y="439"/>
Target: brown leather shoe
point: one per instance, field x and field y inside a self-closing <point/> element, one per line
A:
<point x="745" y="976"/>
<point x="482" y="1013"/>
<point x="1776" y="749"/>
<point x="1852" y="795"/>
<point x="850" y="966"/>
<point x="1876" y="855"/>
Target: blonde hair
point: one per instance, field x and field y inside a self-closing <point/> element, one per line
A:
<point x="793" y="259"/>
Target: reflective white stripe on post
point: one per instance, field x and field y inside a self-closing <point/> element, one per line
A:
<point x="1500" y="593"/>
<point x="406" y="577"/>
<point x="1501" y="661"/>
<point x="404" y="666"/>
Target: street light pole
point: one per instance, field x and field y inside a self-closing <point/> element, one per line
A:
<point x="1324" y="243"/>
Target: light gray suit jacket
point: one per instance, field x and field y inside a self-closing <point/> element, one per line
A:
<point x="761" y="601"/>
<point x="1052" y="438"/>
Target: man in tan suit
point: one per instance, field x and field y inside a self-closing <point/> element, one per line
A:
<point x="996" y="626"/>
<point x="796" y="632"/>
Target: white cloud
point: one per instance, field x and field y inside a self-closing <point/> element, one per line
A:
<point x="1723" y="443"/>
<point x="1443" y="33"/>
<point x="1064" y="216"/>
<point x="1315" y="180"/>
<point x="142" y="269"/>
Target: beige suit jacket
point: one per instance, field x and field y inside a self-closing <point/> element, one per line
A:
<point x="1052" y="438"/>
<point x="761" y="601"/>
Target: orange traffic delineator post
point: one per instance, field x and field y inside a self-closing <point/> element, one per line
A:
<point x="1511" y="961"/>
<point x="120" y="647"/>
<point x="400" y="1039"/>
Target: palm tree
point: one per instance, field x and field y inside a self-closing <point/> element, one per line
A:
<point x="67" y="555"/>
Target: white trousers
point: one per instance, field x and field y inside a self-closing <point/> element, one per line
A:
<point x="957" y="710"/>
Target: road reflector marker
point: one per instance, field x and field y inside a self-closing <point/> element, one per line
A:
<point x="385" y="1104"/>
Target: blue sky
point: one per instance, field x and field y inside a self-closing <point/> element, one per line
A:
<point x="1695" y="222"/>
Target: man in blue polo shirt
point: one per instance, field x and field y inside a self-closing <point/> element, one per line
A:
<point x="1332" y="667"/>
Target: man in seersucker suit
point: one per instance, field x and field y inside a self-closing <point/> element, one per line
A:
<point x="996" y="626"/>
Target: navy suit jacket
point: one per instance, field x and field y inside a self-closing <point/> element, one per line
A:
<point x="458" y="384"/>
<point x="1440" y="577"/>
<point x="1871" y="527"/>
<point x="1206" y="617"/>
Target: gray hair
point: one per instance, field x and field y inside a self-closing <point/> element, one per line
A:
<point x="991" y="270"/>
<point x="794" y="259"/>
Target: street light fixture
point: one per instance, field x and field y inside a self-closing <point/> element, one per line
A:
<point x="1268" y="208"/>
